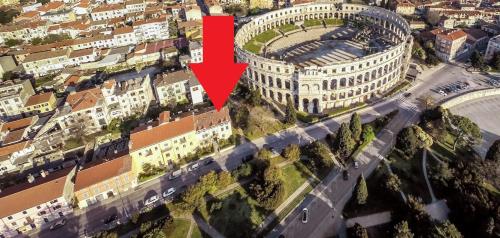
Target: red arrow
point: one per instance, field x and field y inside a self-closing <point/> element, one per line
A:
<point x="218" y="74"/>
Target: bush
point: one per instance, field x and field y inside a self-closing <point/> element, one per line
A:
<point x="243" y="171"/>
<point x="292" y="152"/>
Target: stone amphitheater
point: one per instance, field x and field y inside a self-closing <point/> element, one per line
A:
<point x="324" y="55"/>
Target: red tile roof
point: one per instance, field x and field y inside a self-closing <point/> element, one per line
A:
<point x="84" y="99"/>
<point x="39" y="98"/>
<point x="95" y="173"/>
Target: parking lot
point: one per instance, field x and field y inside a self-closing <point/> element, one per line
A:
<point x="454" y="87"/>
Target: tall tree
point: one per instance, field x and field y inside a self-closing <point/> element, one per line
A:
<point x="290" y="113"/>
<point x="407" y="141"/>
<point x="361" y="191"/>
<point x="345" y="143"/>
<point x="401" y="230"/>
<point x="355" y="126"/>
<point x="468" y="131"/>
<point x="477" y="60"/>
<point x="292" y="152"/>
<point x="493" y="153"/>
<point x="358" y="231"/>
<point x="445" y="230"/>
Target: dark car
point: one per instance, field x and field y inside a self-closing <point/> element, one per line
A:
<point x="110" y="219"/>
<point x="345" y="174"/>
<point x="58" y="224"/>
<point x="407" y="95"/>
<point x="208" y="161"/>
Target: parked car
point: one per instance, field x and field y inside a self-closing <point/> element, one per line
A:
<point x="169" y="192"/>
<point x="58" y="224"/>
<point x="346" y="175"/>
<point x="208" y="161"/>
<point x="356" y="164"/>
<point x="151" y="200"/>
<point x="193" y="167"/>
<point x="110" y="219"/>
<point x="305" y="215"/>
<point x="175" y="174"/>
<point x="407" y="95"/>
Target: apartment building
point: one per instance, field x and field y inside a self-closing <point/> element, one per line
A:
<point x="108" y="11"/>
<point x="129" y="97"/>
<point x="24" y="31"/>
<point x="36" y="203"/>
<point x="83" y="111"/>
<point x="212" y="126"/>
<point x="79" y="57"/>
<point x="40" y="103"/>
<point x="196" y="51"/>
<point x="14" y="155"/>
<point x="193" y="13"/>
<point x="450" y="44"/>
<point x="104" y="179"/>
<point x="152" y="29"/>
<point x="124" y="36"/>
<point x="65" y="15"/>
<point x="493" y="47"/>
<point x="171" y="88"/>
<point x="44" y="63"/>
<point x="135" y="6"/>
<point x="163" y="143"/>
<point x="404" y="7"/>
<point x="17" y="130"/>
<point x="153" y="52"/>
<point x="13" y="96"/>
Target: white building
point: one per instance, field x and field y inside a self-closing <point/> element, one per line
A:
<point x="124" y="36"/>
<point x="196" y="91"/>
<point x="36" y="203"/>
<point x="13" y="97"/>
<point x="152" y="29"/>
<point x="43" y="63"/>
<point x="212" y="126"/>
<point x="105" y="12"/>
<point x="135" y="6"/>
<point x="493" y="47"/>
<point x="171" y="88"/>
<point x="129" y="97"/>
<point x="196" y="51"/>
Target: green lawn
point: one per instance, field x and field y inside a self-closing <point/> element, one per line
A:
<point x="313" y="22"/>
<point x="198" y="233"/>
<point x="238" y="216"/>
<point x="262" y="122"/>
<point x="43" y="80"/>
<point x="293" y="178"/>
<point x="334" y="22"/>
<point x="179" y="228"/>
<point x="288" y="27"/>
<point x="252" y="46"/>
<point x="73" y="143"/>
<point x="266" y="36"/>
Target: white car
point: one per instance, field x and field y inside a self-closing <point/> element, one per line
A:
<point x="305" y="215"/>
<point x="151" y="200"/>
<point x="193" y="167"/>
<point x="169" y="192"/>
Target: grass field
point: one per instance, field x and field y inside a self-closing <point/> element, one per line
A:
<point x="265" y="36"/>
<point x="334" y="22"/>
<point x="252" y="46"/>
<point x="288" y="27"/>
<point x="179" y="228"/>
<point x="262" y="122"/>
<point x="312" y="22"/>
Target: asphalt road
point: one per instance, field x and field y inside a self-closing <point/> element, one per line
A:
<point x="90" y="219"/>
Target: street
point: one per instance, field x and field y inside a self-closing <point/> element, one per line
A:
<point x="332" y="189"/>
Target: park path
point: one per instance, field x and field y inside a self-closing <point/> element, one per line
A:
<point x="424" y="169"/>
<point x="191" y="226"/>
<point x="374" y="219"/>
<point x="207" y="228"/>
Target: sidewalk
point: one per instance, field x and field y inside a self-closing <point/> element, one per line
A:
<point x="206" y="227"/>
<point x="374" y="219"/>
<point x="424" y="169"/>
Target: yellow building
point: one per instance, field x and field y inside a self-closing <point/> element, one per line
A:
<point x="102" y="180"/>
<point x="163" y="143"/>
<point x="40" y="103"/>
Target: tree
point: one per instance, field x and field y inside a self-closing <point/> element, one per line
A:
<point x="12" y="42"/>
<point x="358" y="231"/>
<point x="292" y="152"/>
<point x="424" y="139"/>
<point x="345" y="143"/>
<point x="355" y="126"/>
<point x="407" y="141"/>
<point x="209" y="182"/>
<point x="418" y="51"/>
<point x="427" y="101"/>
<point x="493" y="153"/>
<point x="254" y="98"/>
<point x="367" y="134"/>
<point x="432" y="59"/>
<point x="445" y="230"/>
<point x="242" y="117"/>
<point x="224" y="179"/>
<point x="468" y="131"/>
<point x="477" y="60"/>
<point x="401" y="230"/>
<point x="290" y="113"/>
<point x="243" y="171"/>
<point x="393" y="183"/>
<point x="495" y="62"/>
<point x="321" y="154"/>
<point x="361" y="191"/>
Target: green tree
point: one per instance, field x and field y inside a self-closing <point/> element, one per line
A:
<point x="424" y="139"/>
<point x="321" y="154"/>
<point x="432" y="59"/>
<point x="418" y="51"/>
<point x="12" y="42"/>
<point x="367" y="134"/>
<point x="361" y="191"/>
<point x="468" y="131"/>
<point x="242" y="117"/>
<point x="209" y="182"/>
<point x="243" y="171"/>
<point x="290" y="113"/>
<point x="393" y="183"/>
<point x="224" y="179"/>
<point x="477" y="60"/>
<point x="401" y="230"/>
<point x="358" y="231"/>
<point x="495" y="62"/>
<point x="493" y="153"/>
<point x="254" y="98"/>
<point x="36" y="41"/>
<point x="407" y="141"/>
<point x="345" y="143"/>
<point x="445" y="230"/>
<point x="292" y="152"/>
<point x="355" y="126"/>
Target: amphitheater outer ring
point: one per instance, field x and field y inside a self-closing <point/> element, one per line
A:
<point x="313" y="89"/>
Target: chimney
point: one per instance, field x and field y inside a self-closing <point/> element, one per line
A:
<point x="31" y="178"/>
<point x="164" y="117"/>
